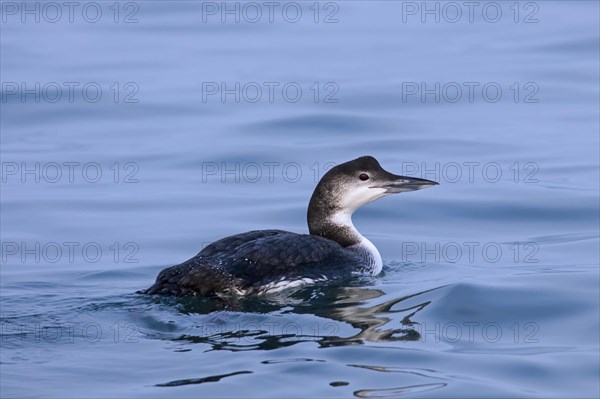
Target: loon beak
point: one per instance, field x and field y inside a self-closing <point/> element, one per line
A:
<point x="401" y="184"/>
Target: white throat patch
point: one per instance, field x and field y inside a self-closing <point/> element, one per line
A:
<point x="360" y="196"/>
<point x="371" y="255"/>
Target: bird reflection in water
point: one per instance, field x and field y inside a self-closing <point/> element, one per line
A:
<point x="280" y="321"/>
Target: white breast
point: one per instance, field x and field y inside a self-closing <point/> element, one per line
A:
<point x="365" y="248"/>
<point x="371" y="256"/>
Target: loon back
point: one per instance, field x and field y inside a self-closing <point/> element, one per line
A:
<point x="257" y="262"/>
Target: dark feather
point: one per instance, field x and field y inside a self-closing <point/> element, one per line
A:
<point x="249" y="261"/>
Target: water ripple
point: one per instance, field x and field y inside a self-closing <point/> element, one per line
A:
<point x="398" y="391"/>
<point x="192" y="381"/>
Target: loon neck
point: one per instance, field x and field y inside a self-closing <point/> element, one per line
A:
<point x="339" y="227"/>
<point x="336" y="226"/>
<point x="327" y="219"/>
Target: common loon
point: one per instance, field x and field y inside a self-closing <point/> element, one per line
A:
<point x="264" y="261"/>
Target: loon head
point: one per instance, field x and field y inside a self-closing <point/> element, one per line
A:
<point x="348" y="186"/>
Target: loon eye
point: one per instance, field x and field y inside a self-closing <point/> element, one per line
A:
<point x="363" y="176"/>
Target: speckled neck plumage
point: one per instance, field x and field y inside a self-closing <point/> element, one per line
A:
<point x="327" y="219"/>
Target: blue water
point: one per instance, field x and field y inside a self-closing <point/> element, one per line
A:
<point x="134" y="137"/>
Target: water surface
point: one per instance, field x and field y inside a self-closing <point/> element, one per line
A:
<point x="490" y="283"/>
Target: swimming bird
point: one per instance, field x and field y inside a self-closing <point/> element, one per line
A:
<point x="265" y="261"/>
